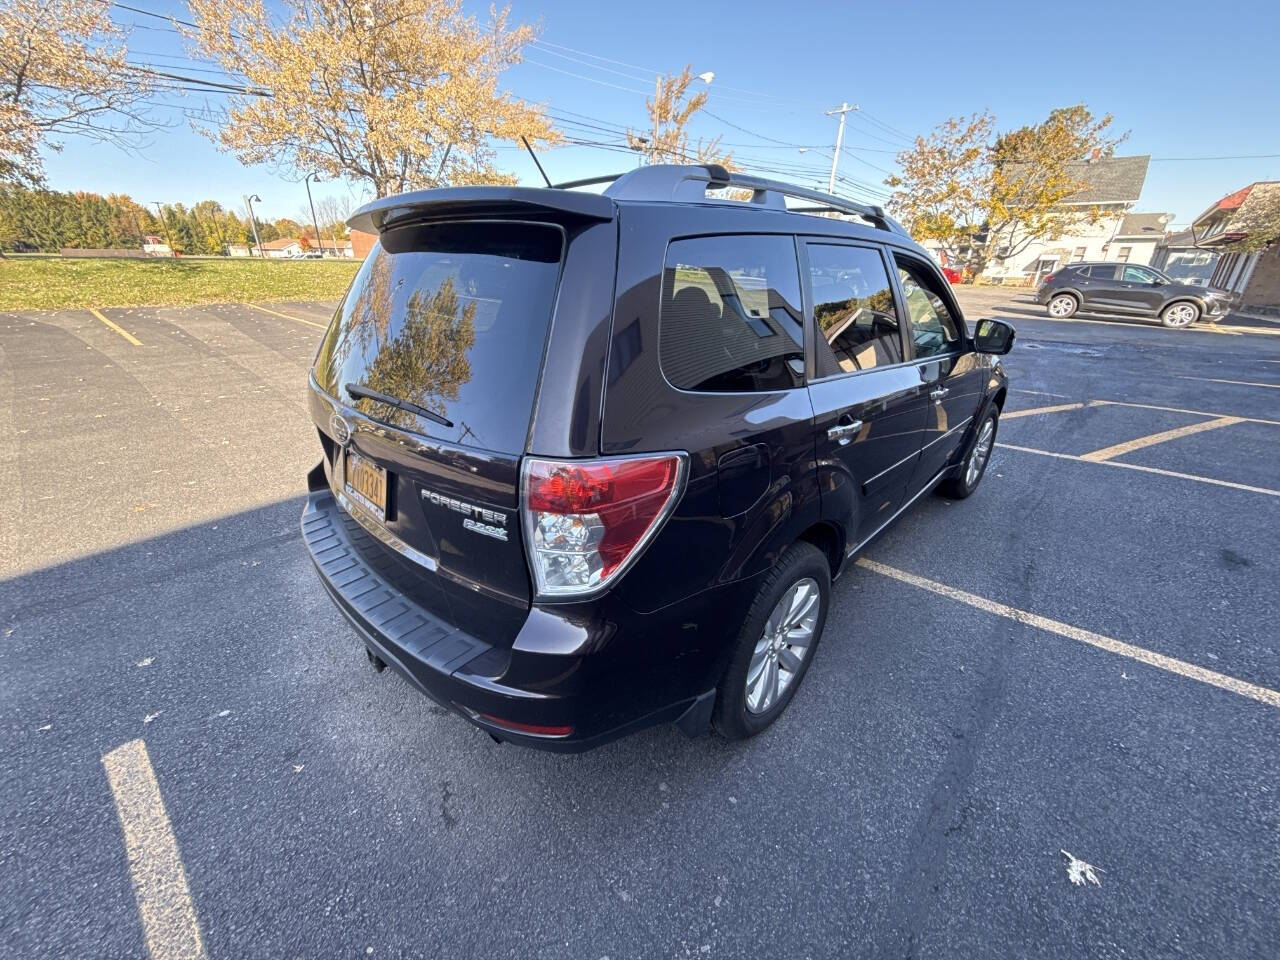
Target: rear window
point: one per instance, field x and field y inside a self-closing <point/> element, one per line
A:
<point x="452" y="318"/>
<point x="730" y="319"/>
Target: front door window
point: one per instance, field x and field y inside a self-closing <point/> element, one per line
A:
<point x="933" y="329"/>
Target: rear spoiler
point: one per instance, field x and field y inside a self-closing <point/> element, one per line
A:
<point x="450" y="202"/>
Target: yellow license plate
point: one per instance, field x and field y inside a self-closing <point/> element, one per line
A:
<point x="368" y="482"/>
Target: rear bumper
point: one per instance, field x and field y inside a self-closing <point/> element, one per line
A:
<point x="572" y="667"/>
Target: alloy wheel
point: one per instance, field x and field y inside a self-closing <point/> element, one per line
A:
<point x="1180" y="315"/>
<point x="785" y="642"/>
<point x="981" y="450"/>
<point x="1062" y="306"/>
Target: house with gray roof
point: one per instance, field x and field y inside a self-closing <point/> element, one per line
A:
<point x="1113" y="186"/>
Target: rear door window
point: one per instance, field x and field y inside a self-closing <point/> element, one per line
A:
<point x="730" y="318"/>
<point x="452" y="318"/>
<point x="853" y="308"/>
<point x="1102" y="272"/>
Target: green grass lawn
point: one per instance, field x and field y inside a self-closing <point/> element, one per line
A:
<point x="56" y="283"/>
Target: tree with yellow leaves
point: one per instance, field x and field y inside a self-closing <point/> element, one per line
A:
<point x="397" y="94"/>
<point x="63" y="72"/>
<point x="980" y="196"/>
<point x="670" y="110"/>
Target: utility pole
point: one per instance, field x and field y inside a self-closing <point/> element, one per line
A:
<point x="253" y="223"/>
<point x="843" y="109"/>
<point x="657" y="99"/>
<point x="314" y="222"/>
<point x="164" y="222"/>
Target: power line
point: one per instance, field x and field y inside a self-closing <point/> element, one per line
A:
<point x="1244" y="156"/>
<point x="752" y="133"/>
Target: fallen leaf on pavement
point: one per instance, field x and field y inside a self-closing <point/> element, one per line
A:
<point x="1079" y="872"/>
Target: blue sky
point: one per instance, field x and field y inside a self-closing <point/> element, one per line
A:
<point x="1187" y="80"/>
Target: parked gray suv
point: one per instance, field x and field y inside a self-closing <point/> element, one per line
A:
<point x="1131" y="289"/>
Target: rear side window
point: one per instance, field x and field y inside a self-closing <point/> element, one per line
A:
<point x="853" y="308"/>
<point x="1100" y="272"/>
<point x="730" y="316"/>
<point x="452" y="318"/>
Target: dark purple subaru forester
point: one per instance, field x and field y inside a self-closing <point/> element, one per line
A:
<point x="591" y="462"/>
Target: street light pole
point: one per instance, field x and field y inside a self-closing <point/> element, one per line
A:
<point x="253" y="223"/>
<point x="706" y="78"/>
<point x="843" y="109"/>
<point x="314" y="222"/>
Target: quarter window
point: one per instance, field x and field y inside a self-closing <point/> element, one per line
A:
<point x="853" y="308"/>
<point x="730" y="319"/>
<point x="933" y="329"/>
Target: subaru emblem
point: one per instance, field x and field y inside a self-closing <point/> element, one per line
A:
<point x="340" y="429"/>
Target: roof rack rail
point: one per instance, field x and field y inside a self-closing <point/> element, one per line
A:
<point x="690" y="182"/>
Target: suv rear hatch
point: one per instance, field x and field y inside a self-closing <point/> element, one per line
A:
<point x="431" y="367"/>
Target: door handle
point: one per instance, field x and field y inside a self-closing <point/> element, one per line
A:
<point x="844" y="432"/>
<point x="938" y="394"/>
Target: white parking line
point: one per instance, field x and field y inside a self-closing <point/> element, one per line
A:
<point x="169" y="921"/>
<point x="1238" y="383"/>
<point x="1198" y="413"/>
<point x="1150" y="658"/>
<point x="1135" y="466"/>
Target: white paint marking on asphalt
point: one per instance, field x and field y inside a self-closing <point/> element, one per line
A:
<point x="169" y="921"/>
<point x="1140" y="654"/>
<point x="1037" y="393"/>
<point x="1139" y="467"/>
<point x="1238" y="383"/>
<point x="1198" y="413"/>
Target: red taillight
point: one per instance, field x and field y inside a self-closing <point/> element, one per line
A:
<point x="1049" y="279"/>
<point x="585" y="519"/>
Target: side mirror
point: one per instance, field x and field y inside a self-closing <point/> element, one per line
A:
<point x="993" y="336"/>
<point x="1157" y="282"/>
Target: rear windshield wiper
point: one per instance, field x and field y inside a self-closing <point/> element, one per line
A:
<point x="355" y="390"/>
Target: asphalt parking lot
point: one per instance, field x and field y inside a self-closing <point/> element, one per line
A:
<point x="1081" y="659"/>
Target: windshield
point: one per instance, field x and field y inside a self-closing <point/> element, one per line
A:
<point x="451" y="318"/>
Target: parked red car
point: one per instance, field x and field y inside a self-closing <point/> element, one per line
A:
<point x="953" y="274"/>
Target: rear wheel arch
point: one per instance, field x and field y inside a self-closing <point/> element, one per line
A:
<point x="830" y="540"/>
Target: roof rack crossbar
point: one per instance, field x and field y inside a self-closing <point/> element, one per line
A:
<point x="690" y="183"/>
<point x="588" y="181"/>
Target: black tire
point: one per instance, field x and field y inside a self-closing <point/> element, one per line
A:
<point x="733" y="719"/>
<point x="962" y="484"/>
<point x="1069" y="304"/>
<point x="1179" y="314"/>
